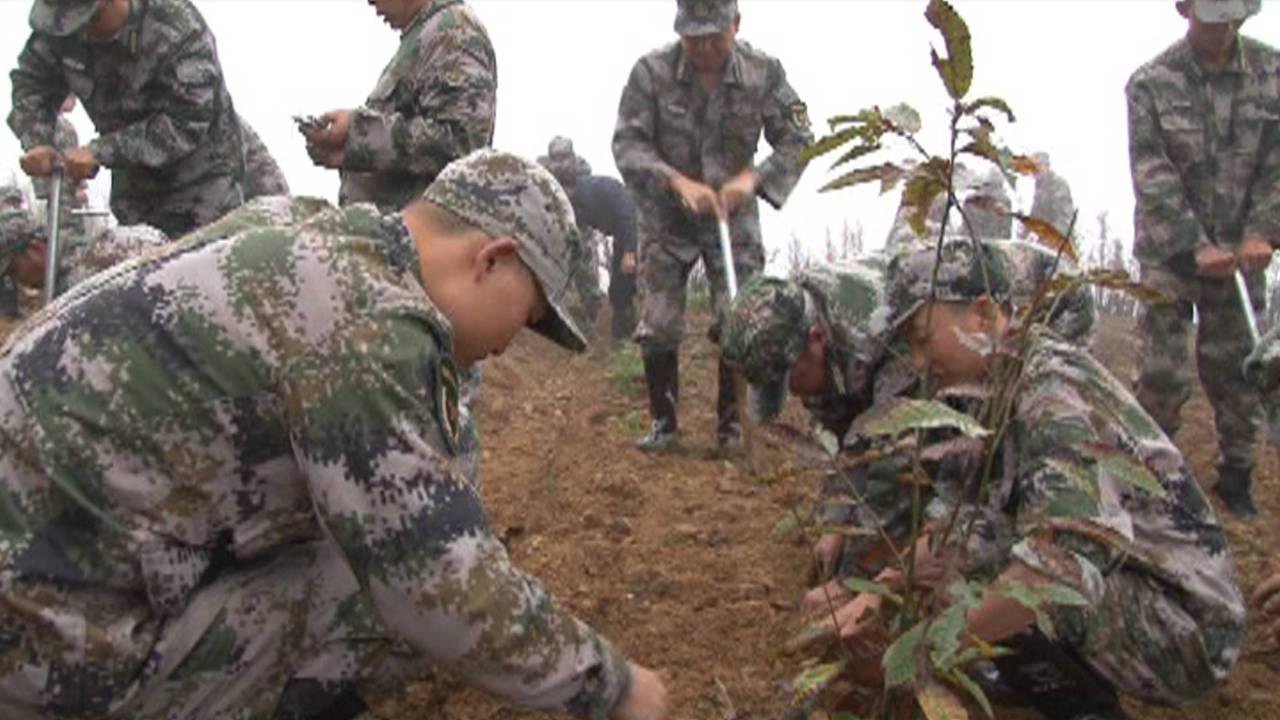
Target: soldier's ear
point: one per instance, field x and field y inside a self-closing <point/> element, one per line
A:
<point x="493" y="252"/>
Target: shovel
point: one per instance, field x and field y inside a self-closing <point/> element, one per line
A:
<point x="1270" y="401"/>
<point x="51" y="252"/>
<point x="739" y="382"/>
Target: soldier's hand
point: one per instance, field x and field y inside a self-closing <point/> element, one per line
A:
<point x="1214" y="262"/>
<point x="697" y="198"/>
<point x="646" y="698"/>
<point x="80" y="164"/>
<point x="628" y="264"/>
<point x="333" y="131"/>
<point x="832" y="593"/>
<point x="39" y="161"/>
<point x="1253" y="254"/>
<point x="738" y="190"/>
<point x="325" y="156"/>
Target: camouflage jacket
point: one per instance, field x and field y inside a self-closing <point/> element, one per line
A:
<point x="1052" y="201"/>
<point x="1066" y="402"/>
<point x="1204" y="151"/>
<point x="165" y="122"/>
<point x="435" y="102"/>
<point x="65" y="138"/>
<point x="212" y="403"/>
<point x="262" y="175"/>
<point x="667" y="122"/>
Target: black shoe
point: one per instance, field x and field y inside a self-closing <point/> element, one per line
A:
<point x="662" y="378"/>
<point x="660" y="438"/>
<point x="1235" y="488"/>
<point x="729" y="438"/>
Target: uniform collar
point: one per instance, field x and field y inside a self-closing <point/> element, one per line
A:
<point x="732" y="74"/>
<point x="1236" y="66"/>
<point x="425" y="13"/>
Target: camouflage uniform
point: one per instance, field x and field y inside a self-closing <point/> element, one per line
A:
<point x="17" y="231"/>
<point x="232" y="489"/>
<point x="435" y="102"/>
<point x="262" y="176"/>
<point x="568" y="168"/>
<point x="1205" y="157"/>
<point x="65" y="138"/>
<point x="988" y="216"/>
<point x="166" y="125"/>
<point x="1164" y="618"/>
<point x="668" y="123"/>
<point x="602" y="205"/>
<point x="1052" y="200"/>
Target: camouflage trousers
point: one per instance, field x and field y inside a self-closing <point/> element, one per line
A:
<point x="1222" y="342"/>
<point x="663" y="278"/>
<point x="289" y="638"/>
<point x="178" y="212"/>
<point x="1142" y="639"/>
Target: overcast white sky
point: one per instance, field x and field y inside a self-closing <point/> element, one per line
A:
<point x="1061" y="64"/>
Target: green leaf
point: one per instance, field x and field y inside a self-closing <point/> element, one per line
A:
<point x="1048" y="235"/>
<point x="956" y="70"/>
<point x="868" y="116"/>
<point x="830" y="142"/>
<point x="924" y="415"/>
<point x="968" y="685"/>
<point x="904" y="118"/>
<point x="1124" y="467"/>
<point x="918" y="195"/>
<point x="899" y="660"/>
<point x="815" y="679"/>
<point x="1036" y="597"/>
<point x="945" y="636"/>
<point x="938" y="702"/>
<point x="787" y="527"/>
<point x="1079" y="476"/>
<point x="862" y="585"/>
<point x="857" y="152"/>
<point x="885" y="173"/>
<point x="994" y="103"/>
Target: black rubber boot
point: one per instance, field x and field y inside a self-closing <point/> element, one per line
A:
<point x="1235" y="488"/>
<point x="662" y="375"/>
<point x="1051" y="678"/>
<point x="728" y="428"/>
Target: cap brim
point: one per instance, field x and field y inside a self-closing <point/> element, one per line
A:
<point x="559" y="329"/>
<point x="896" y="324"/>
<point x="60" y="20"/>
<point x="1222" y="12"/>
<point x="765" y="400"/>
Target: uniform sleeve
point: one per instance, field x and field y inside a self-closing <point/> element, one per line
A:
<point x="786" y="127"/>
<point x="454" y="111"/>
<point x="635" y="137"/>
<point x="1264" y="196"/>
<point x="262" y="173"/>
<point x="371" y="426"/>
<point x="1171" y="226"/>
<point x="38" y="92"/>
<point x="185" y="96"/>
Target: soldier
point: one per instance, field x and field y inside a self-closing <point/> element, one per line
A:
<point x="817" y="336"/>
<point x="224" y="503"/>
<point x="1160" y="616"/>
<point x="1206" y="174"/>
<point x="21" y="257"/>
<point x="1052" y="200"/>
<point x="602" y="204"/>
<point x="689" y="122"/>
<point x="262" y="176"/>
<point x="147" y="72"/>
<point x="435" y="102"/>
<point x="986" y="203"/>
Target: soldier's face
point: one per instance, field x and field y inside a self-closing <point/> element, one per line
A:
<point x="937" y="346"/>
<point x="809" y="372"/>
<point x="398" y="13"/>
<point x="491" y="303"/>
<point x="108" y="20"/>
<point x="1209" y="38"/>
<point x="709" y="53"/>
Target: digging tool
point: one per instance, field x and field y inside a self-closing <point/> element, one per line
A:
<point x="1242" y="290"/>
<point x="739" y="382"/>
<point x="51" y="252"/>
<point x="726" y="251"/>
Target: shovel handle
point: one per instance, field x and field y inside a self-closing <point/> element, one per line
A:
<point x="726" y="250"/>
<point x="51" y="252"/>
<point x="1242" y="290"/>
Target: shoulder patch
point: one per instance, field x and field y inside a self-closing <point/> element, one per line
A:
<point x="448" y="395"/>
<point x="800" y="114"/>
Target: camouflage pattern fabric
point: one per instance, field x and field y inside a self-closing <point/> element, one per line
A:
<point x="1205" y="159"/>
<point x="12" y="196"/>
<point x="1262" y="370"/>
<point x="668" y="123"/>
<point x="1052" y="201"/>
<point x="111" y="246"/>
<point x="704" y="17"/>
<point x="166" y="125"/>
<point x="435" y="102"/>
<point x="986" y="204"/>
<point x="262" y="176"/>
<point x="1165" y="617"/>
<point x="217" y="500"/>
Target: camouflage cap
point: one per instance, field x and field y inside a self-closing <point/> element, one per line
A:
<point x="1224" y="11"/>
<point x="563" y="162"/>
<point x="963" y="275"/>
<point x="61" y="17"/>
<point x="704" y="17"/>
<point x="762" y="335"/>
<point x="508" y="196"/>
<point x="17" y="230"/>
